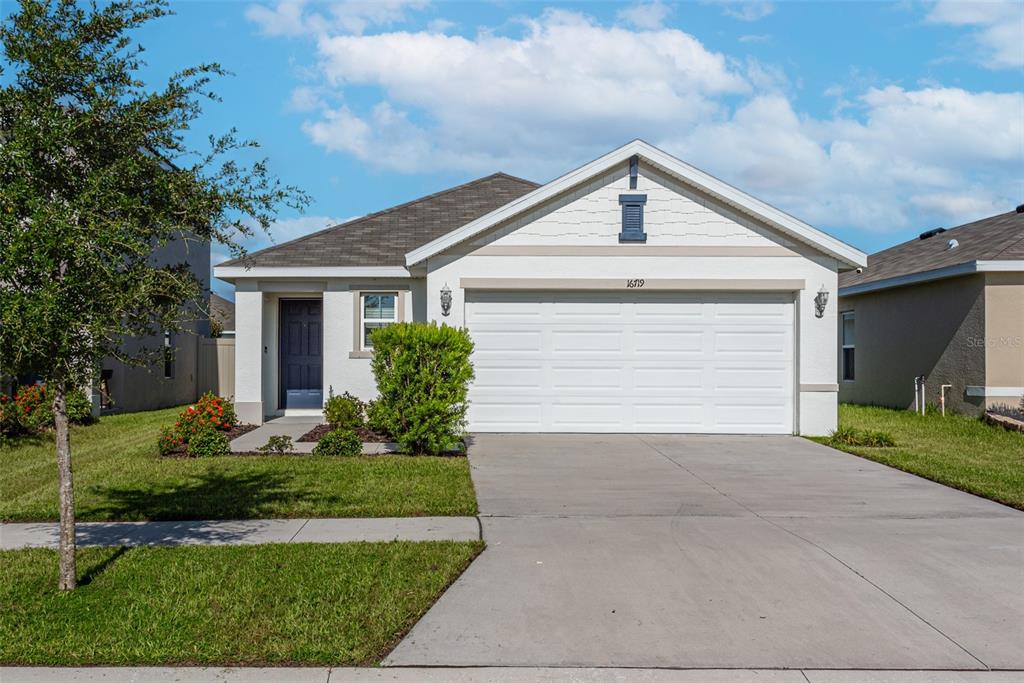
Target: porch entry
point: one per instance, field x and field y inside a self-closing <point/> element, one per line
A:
<point x="301" y="353"/>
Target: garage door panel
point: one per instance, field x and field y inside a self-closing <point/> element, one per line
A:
<point x="631" y="362"/>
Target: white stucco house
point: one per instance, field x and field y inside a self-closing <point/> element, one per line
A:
<point x="633" y="294"/>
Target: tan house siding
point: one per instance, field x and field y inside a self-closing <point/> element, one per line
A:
<point x="930" y="329"/>
<point x="1004" y="335"/>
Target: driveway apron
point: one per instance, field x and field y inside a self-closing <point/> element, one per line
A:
<point x="724" y="552"/>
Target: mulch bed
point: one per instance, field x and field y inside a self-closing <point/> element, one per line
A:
<point x="233" y="433"/>
<point x="365" y="433"/>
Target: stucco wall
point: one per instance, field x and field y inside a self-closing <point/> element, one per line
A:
<point x="146" y="388"/>
<point x="934" y="329"/>
<point x="689" y="237"/>
<point x="1004" y="338"/>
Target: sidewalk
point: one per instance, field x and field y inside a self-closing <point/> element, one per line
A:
<point x="238" y="532"/>
<point x="487" y="674"/>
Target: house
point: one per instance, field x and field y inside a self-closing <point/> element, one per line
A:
<point x="171" y="381"/>
<point x="633" y="294"/>
<point x="222" y="315"/>
<point x="948" y="306"/>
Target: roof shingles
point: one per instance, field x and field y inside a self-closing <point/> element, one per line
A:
<point x="990" y="239"/>
<point x="383" y="238"/>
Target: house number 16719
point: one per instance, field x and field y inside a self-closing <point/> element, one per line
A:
<point x="633" y="284"/>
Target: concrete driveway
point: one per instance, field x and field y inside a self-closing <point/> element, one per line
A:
<point x="724" y="552"/>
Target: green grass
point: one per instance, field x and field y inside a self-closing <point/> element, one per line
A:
<point x="222" y="605"/>
<point x="955" y="450"/>
<point x="119" y="476"/>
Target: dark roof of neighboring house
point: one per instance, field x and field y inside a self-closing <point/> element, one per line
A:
<point x="223" y="311"/>
<point x="998" y="238"/>
<point x="383" y="238"/>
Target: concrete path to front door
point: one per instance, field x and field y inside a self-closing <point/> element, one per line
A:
<point x="724" y="552"/>
<point x="296" y="427"/>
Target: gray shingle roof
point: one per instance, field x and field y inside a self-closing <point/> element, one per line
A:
<point x="223" y="311"/>
<point x="383" y="238"/>
<point x="997" y="238"/>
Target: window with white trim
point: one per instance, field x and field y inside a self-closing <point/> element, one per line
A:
<point x="377" y="309"/>
<point x="847" y="339"/>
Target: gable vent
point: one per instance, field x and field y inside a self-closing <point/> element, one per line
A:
<point x="632" y="217"/>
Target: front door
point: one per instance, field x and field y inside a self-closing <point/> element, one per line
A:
<point x="301" y="353"/>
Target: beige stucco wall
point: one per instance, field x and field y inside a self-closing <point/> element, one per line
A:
<point x="1004" y="337"/>
<point x="934" y="329"/>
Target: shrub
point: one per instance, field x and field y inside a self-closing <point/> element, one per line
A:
<point x="851" y="436"/>
<point x="423" y="373"/>
<point x="343" y="442"/>
<point x="375" y="417"/>
<point x="170" y="441"/>
<point x="9" y="422"/>
<point x="32" y="408"/>
<point x="278" y="444"/>
<point x="344" y="412"/>
<point x="208" y="443"/>
<point x="209" y="411"/>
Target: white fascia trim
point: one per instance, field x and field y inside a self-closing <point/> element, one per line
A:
<point x="985" y="392"/>
<point x="271" y="272"/>
<point x="938" y="274"/>
<point x="707" y="183"/>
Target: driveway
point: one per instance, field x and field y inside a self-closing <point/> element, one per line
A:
<point x="724" y="552"/>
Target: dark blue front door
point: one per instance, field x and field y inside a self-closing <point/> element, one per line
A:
<point x="301" y="353"/>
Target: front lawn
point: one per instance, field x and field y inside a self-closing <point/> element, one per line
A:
<point x="957" y="451"/>
<point x="342" y="604"/>
<point x="120" y="476"/>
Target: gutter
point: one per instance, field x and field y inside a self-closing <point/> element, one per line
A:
<point x="957" y="270"/>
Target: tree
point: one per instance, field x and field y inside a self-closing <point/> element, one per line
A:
<point x="96" y="173"/>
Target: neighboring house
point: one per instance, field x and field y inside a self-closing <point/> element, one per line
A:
<point x="172" y="381"/>
<point x="222" y="312"/>
<point x="948" y="305"/>
<point x="633" y="294"/>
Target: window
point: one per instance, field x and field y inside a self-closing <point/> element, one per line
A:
<point x="378" y="310"/>
<point x="847" y="340"/>
<point x="168" y="356"/>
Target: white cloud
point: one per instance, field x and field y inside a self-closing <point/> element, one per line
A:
<point x="296" y="17"/>
<point x="998" y="35"/>
<point x="745" y="10"/>
<point x="305" y="98"/>
<point x="566" y="90"/>
<point x="645" y="15"/>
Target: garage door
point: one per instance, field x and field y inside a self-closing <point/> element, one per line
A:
<point x="631" y="362"/>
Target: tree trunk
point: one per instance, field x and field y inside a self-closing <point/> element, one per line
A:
<point x="67" y="490"/>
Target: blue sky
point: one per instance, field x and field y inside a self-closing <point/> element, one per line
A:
<point x="870" y="120"/>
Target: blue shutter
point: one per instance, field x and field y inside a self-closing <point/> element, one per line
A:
<point x="632" y="217"/>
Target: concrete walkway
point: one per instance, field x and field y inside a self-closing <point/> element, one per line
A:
<point x="488" y="674"/>
<point x="724" y="552"/>
<point x="295" y="426"/>
<point x="241" y="532"/>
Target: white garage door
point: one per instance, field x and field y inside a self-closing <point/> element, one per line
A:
<point x="631" y="362"/>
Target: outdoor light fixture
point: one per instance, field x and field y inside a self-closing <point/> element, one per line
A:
<point x="446" y="300"/>
<point x="820" y="301"/>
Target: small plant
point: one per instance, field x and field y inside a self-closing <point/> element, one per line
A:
<point x="851" y="436"/>
<point x="31" y="409"/>
<point x="209" y="411"/>
<point x="208" y="443"/>
<point x="170" y="441"/>
<point x="340" y="442"/>
<point x="279" y="444"/>
<point x="344" y="411"/>
<point x="423" y="374"/>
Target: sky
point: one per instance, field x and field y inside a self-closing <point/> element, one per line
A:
<point x="873" y="121"/>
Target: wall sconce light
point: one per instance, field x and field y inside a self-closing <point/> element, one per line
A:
<point x="820" y="301"/>
<point x="446" y="300"/>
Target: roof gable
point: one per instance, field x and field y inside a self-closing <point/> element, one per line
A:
<point x="383" y="238"/>
<point x="718" y="190"/>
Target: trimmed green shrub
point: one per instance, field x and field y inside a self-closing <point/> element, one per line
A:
<point x="278" y="444"/>
<point x="343" y="442"/>
<point x="851" y="436"/>
<point x="208" y="443"/>
<point x="31" y="409"/>
<point x="170" y="442"/>
<point x="343" y="412"/>
<point x="423" y="374"/>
